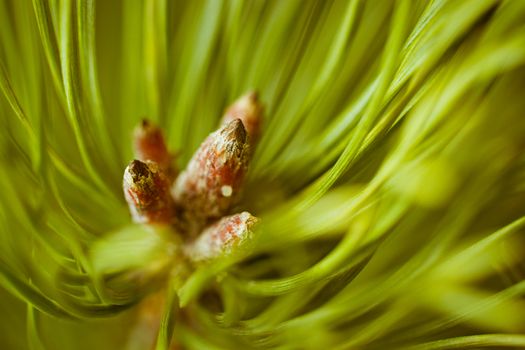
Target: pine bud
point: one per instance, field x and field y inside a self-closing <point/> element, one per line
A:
<point x="149" y="144"/>
<point x="249" y="110"/>
<point x="210" y="185"/>
<point x="146" y="189"/>
<point x="222" y="237"/>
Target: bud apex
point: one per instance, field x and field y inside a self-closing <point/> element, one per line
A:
<point x="222" y="237"/>
<point x="149" y="144"/>
<point x="249" y="110"/>
<point x="210" y="185"/>
<point x="146" y="189"/>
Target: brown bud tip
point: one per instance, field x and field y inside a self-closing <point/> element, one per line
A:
<point x="249" y="110"/>
<point x="212" y="180"/>
<point x="222" y="238"/>
<point x="149" y="144"/>
<point x="234" y="130"/>
<point x="138" y="170"/>
<point x="146" y="189"/>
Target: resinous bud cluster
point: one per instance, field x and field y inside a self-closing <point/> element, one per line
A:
<point x="197" y="202"/>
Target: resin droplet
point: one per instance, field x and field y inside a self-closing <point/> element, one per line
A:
<point x="226" y="191"/>
<point x="147" y="191"/>
<point x="249" y="110"/>
<point x="222" y="238"/>
<point x="210" y="185"/>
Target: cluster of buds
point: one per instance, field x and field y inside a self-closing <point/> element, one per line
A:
<point x="197" y="202"/>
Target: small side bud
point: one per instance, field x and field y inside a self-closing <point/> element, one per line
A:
<point x="211" y="183"/>
<point x="222" y="238"/>
<point x="249" y="110"/>
<point x="147" y="191"/>
<point x="149" y="144"/>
